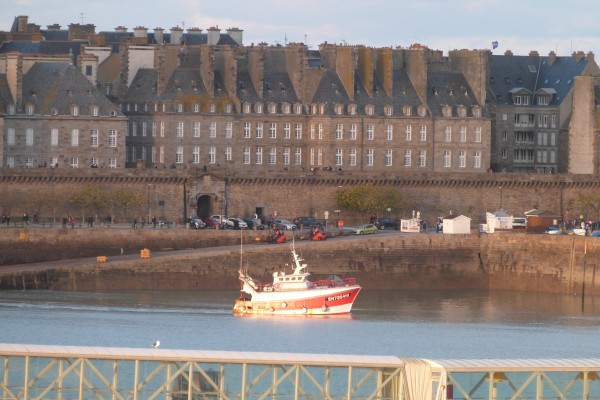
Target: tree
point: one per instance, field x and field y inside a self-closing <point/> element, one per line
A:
<point x="126" y="198"/>
<point x="589" y="202"/>
<point x="369" y="199"/>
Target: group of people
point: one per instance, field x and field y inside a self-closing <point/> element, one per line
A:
<point x="5" y="220"/>
<point x="68" y="221"/>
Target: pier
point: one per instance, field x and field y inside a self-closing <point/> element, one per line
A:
<point x="69" y="372"/>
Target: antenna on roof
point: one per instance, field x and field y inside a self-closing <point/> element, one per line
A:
<point x="81" y="15"/>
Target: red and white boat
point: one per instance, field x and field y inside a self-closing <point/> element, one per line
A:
<point x="294" y="294"/>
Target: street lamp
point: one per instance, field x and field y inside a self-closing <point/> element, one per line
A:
<point x="500" y="197"/>
<point x="148" y="201"/>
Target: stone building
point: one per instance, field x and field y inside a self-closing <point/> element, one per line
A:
<point x="541" y="122"/>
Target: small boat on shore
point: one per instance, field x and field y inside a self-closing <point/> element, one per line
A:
<point x="294" y="294"/>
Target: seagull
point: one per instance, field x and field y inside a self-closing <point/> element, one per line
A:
<point x="156" y="344"/>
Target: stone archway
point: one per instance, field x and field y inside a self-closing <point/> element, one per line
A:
<point x="203" y="208"/>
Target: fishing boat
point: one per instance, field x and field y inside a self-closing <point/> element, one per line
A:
<point x="295" y="294"/>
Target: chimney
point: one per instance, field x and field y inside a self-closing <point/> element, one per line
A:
<point x="121" y="29"/>
<point x="590" y="56"/>
<point x="551" y="58"/>
<point x="194" y="31"/>
<point x="534" y="53"/>
<point x="578" y="56"/>
<point x="385" y="69"/>
<point x="14" y="76"/>
<point x="140" y="32"/>
<point x="214" y="34"/>
<point x="416" y="68"/>
<point x="53" y="27"/>
<point x="22" y="23"/>
<point x="365" y="68"/>
<point x="176" y="35"/>
<point x="159" y="35"/>
<point x="236" y="34"/>
<point x="508" y="53"/>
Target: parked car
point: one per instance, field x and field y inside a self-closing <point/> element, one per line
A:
<point x="197" y="223"/>
<point x="383" y="223"/>
<point x="210" y="223"/>
<point x="307" y="222"/>
<point x="365" y="229"/>
<point x="284" y="224"/>
<point x="219" y="219"/>
<point x="252" y="222"/>
<point x="235" y="223"/>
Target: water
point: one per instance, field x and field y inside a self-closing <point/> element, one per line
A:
<point x="421" y="323"/>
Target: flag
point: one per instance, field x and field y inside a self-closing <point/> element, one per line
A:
<point x="494" y="44"/>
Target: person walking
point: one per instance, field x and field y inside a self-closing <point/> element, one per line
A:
<point x="154" y="221"/>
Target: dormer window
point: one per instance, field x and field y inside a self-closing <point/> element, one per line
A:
<point x="212" y="108"/>
<point x="246" y="108"/>
<point x="94" y="111"/>
<point x="462" y="112"/>
<point x="338" y="109"/>
<point x="447" y="111"/>
<point x="352" y="109"/>
<point x="11" y="109"/>
<point x="196" y="108"/>
<point x="407" y="111"/>
<point x="228" y="108"/>
<point x="521" y="100"/>
<point x="543" y="100"/>
<point x="388" y="110"/>
<point x="422" y="111"/>
<point x="476" y="112"/>
<point x="285" y="108"/>
<point x="322" y="109"/>
<point x="29" y="109"/>
<point x="75" y="111"/>
<point x="145" y="106"/>
<point x="258" y="108"/>
<point x="297" y="109"/>
<point x="135" y="107"/>
<point x="314" y="109"/>
<point x="272" y="108"/>
<point x="369" y="109"/>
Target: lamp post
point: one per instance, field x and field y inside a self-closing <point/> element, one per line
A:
<point x="500" y="197"/>
<point x="148" y="201"/>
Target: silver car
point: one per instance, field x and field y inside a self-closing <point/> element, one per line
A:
<point x="231" y="223"/>
<point x="284" y="224"/>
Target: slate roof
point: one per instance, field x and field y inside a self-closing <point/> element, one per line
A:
<point x="5" y="94"/>
<point x="533" y="73"/>
<point x="245" y="88"/>
<point x="449" y="88"/>
<point x="42" y="47"/>
<point x="114" y="39"/>
<point x="143" y="86"/>
<point x="55" y="35"/>
<point x="278" y="88"/>
<point x="60" y="85"/>
<point x="184" y="83"/>
<point x="330" y="89"/>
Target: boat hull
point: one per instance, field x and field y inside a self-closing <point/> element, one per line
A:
<point x="328" y="301"/>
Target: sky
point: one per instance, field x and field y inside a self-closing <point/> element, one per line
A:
<point x="517" y="25"/>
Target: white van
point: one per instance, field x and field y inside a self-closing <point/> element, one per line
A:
<point x="519" y="223"/>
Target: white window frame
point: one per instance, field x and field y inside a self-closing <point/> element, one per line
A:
<point x="53" y="137"/>
<point x="94" y="138"/>
<point x="112" y="138"/>
<point x="74" y="137"/>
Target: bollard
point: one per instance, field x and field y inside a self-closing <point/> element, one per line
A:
<point x="145" y="253"/>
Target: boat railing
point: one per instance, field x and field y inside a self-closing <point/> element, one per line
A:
<point x="336" y="282"/>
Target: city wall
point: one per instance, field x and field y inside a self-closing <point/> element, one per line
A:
<point x="501" y="261"/>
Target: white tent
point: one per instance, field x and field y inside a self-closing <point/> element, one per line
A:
<point x="457" y="224"/>
<point x="498" y="220"/>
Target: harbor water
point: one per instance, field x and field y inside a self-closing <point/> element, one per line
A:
<point x="431" y="324"/>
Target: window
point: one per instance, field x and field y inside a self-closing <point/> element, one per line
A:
<point x="246" y="108"/>
<point x="144" y="153"/>
<point x="370" y="131"/>
<point x="388" y="158"/>
<point x="179" y="155"/>
<point x="319" y="156"/>
<point x="258" y="155"/>
<point x="312" y="156"/>
<point x="28" y="162"/>
<point x="228" y="130"/>
<point x="112" y="138"/>
<point x="153" y="154"/>
<point x="112" y="163"/>
<point x="462" y="159"/>
<point x="542" y="100"/>
<point x="272" y="108"/>
<point x="196" y="108"/>
<point x="504" y="136"/>
<point x="161" y="154"/>
<point x="339" y="131"/>
<point x="407" y="158"/>
<point x="54" y="137"/>
<point x="447" y="158"/>
<point x="144" y="128"/>
<point x="423" y="133"/>
<point x="553" y="121"/>
<point x="196" y="155"/>
<point x="162" y="128"/>
<point x="75" y="111"/>
<point x="259" y="130"/>
<point x="422" y="158"/>
<point x="313" y="131"/>
<point x="228" y="153"/>
<point x="407" y="133"/>
<point x="74" y="137"/>
<point x="339" y="157"/>
<point x="298" y="109"/>
<point x="212" y="108"/>
<point x="88" y="70"/>
<point x="298" y="156"/>
<point x="179" y="129"/>
<point x="504" y="153"/>
<point x="10" y="162"/>
<point x="212" y="155"/>
<point x="273" y="130"/>
<point x="272" y="156"/>
<point x="94" y="138"/>
<point x="246" y="155"/>
<point x="422" y="111"/>
<point x="552" y="138"/>
<point x="352" y="157"/>
<point x="388" y="110"/>
<point x="369" y="157"/>
<point x="352" y="132"/>
<point x="407" y="111"/>
<point x="477" y="159"/>
<point x="369" y="110"/>
<point x="320" y="131"/>
<point x="463" y="134"/>
<point x="134" y="128"/>
<point x="286" y="155"/>
<point x="29" y="137"/>
<point x="338" y="109"/>
<point x="477" y="134"/>
<point x="246" y="131"/>
<point x="298" y="130"/>
<point x="196" y="129"/>
<point x="448" y="134"/>
<point x="389" y="132"/>
<point x="287" y="130"/>
<point x="212" y="130"/>
<point x="74" y="162"/>
<point x="259" y="108"/>
<point x="153" y="128"/>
